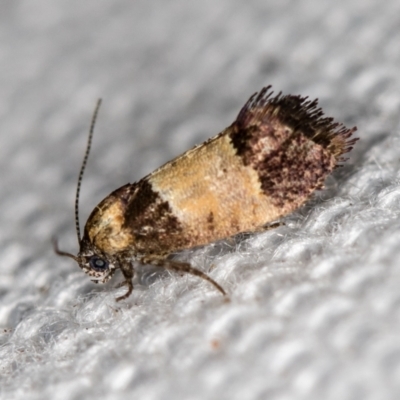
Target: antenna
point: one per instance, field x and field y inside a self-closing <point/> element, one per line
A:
<point x="84" y="162"/>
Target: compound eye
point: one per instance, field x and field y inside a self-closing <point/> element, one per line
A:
<point x="98" y="264"/>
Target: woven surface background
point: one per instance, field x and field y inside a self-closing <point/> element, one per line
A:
<point x="315" y="304"/>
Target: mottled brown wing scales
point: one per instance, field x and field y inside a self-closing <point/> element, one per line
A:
<point x="299" y="114"/>
<point x="152" y="223"/>
<point x="290" y="144"/>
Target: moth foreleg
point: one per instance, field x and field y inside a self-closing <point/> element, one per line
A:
<point x="128" y="273"/>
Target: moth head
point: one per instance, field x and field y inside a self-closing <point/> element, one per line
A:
<point x="98" y="266"/>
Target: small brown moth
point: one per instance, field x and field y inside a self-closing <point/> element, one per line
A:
<point x="266" y="164"/>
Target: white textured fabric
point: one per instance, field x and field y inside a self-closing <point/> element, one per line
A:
<point x="315" y="304"/>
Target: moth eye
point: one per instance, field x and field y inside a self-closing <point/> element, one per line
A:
<point x="98" y="264"/>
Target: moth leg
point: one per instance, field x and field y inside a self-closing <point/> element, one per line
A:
<point x="268" y="227"/>
<point x="182" y="267"/>
<point x="263" y="228"/>
<point x="128" y="273"/>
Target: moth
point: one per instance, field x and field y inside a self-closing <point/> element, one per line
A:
<point x="265" y="165"/>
